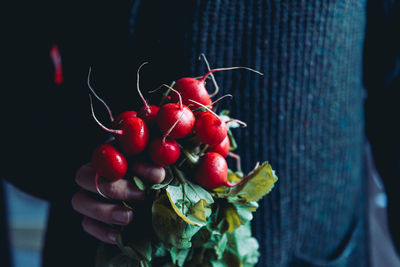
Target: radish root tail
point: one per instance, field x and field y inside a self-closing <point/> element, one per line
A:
<point x="243" y="124"/>
<point x="231" y="68"/>
<point x="212" y="75"/>
<point x="137" y="85"/>
<point x="99" y="98"/>
<point x="99" y="123"/>
<point x="222" y="97"/>
<point x="96" y="182"/>
<point x="176" y="92"/>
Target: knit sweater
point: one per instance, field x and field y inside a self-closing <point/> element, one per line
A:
<point x="305" y="115"/>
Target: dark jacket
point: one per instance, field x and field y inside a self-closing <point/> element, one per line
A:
<point x="306" y="116"/>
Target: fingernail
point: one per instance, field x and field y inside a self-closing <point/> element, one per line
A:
<point x="157" y="175"/>
<point x="122" y="216"/>
<point x="112" y="235"/>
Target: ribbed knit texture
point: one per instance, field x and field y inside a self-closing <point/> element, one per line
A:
<point x="305" y="115"/>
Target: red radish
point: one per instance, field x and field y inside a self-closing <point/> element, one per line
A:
<point x="191" y="88"/>
<point x="109" y="162"/>
<point x="133" y="134"/>
<point x="175" y="119"/>
<point x="212" y="171"/>
<point x="164" y="152"/>
<point x="148" y="113"/>
<point x="222" y="148"/>
<point x="123" y="116"/>
<point x="209" y="127"/>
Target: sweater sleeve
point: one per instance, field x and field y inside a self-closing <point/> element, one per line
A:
<point x="382" y="81"/>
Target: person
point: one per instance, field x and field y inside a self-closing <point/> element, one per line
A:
<point x="306" y="116"/>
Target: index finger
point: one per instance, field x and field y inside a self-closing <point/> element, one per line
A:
<point x="118" y="190"/>
<point x="151" y="173"/>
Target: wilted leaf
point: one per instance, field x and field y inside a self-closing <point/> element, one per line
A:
<point x="258" y="183"/>
<point x="200" y="211"/>
<point x="233" y="177"/>
<point x="232" y="218"/>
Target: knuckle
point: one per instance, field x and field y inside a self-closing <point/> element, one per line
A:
<point x="78" y="175"/>
<point x="74" y="201"/>
<point x="98" y="211"/>
<point x="84" y="224"/>
<point x="110" y="190"/>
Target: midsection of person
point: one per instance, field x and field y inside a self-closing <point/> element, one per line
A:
<point x="305" y="115"/>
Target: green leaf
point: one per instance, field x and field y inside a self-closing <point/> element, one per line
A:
<point x="139" y="183"/>
<point x="220" y="248"/>
<point x="169" y="226"/>
<point x="257" y="184"/>
<point x="195" y="193"/>
<point x="172" y="201"/>
<point x="178" y="256"/>
<point x="245" y="211"/>
<point x="218" y="264"/>
<point x="160" y="250"/>
<point x="193" y="207"/>
<point x="244" y="246"/>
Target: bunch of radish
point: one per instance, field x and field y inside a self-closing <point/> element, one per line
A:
<point x="159" y="133"/>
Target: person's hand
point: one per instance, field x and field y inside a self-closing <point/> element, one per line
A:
<point x="98" y="214"/>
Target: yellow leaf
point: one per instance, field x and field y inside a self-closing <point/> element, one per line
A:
<point x="178" y="212"/>
<point x="232" y="218"/>
<point x="198" y="210"/>
<point x="258" y="183"/>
